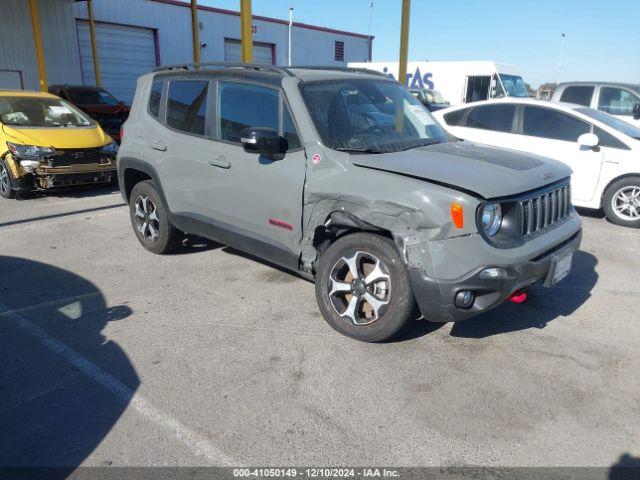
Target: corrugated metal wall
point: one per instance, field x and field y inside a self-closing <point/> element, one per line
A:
<point x="172" y="23"/>
<point x="17" y="51"/>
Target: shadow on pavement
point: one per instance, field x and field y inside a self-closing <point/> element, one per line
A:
<point x="626" y="468"/>
<point x="543" y="305"/>
<point x="53" y="413"/>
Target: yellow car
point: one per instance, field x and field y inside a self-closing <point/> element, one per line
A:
<point x="47" y="143"/>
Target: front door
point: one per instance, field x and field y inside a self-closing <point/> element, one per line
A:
<point x="260" y="198"/>
<point x="620" y="102"/>
<point x="552" y="133"/>
<point x="477" y="88"/>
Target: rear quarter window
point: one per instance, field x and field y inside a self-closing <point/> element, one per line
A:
<point x="187" y="105"/>
<point x="154" y="97"/>
<point x="580" y="95"/>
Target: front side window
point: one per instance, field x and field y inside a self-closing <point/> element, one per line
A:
<point x="154" y="97"/>
<point x="617" y="101"/>
<point x="498" y="118"/>
<point x="187" y="105"/>
<point x="364" y="115"/>
<point x="41" y="112"/>
<point x="552" y="124"/>
<point x="613" y="122"/>
<point x="580" y="95"/>
<point x="243" y="105"/>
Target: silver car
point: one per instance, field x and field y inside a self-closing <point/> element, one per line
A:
<point x="344" y="177"/>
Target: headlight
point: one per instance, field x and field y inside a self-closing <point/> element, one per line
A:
<point x="491" y="218"/>
<point x="110" y="149"/>
<point x="30" y="152"/>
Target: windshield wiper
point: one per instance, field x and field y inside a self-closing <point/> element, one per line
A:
<point x="358" y="150"/>
<point x="421" y="144"/>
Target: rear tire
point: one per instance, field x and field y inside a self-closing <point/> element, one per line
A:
<point x="621" y="202"/>
<point x="150" y="219"/>
<point x="6" y="191"/>
<point x="363" y="288"/>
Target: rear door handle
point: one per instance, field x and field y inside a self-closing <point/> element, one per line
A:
<point x="161" y="147"/>
<point x="220" y="163"/>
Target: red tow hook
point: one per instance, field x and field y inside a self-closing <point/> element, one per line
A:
<point x="518" y="297"/>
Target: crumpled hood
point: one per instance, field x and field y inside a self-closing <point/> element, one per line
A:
<point x="59" y="138"/>
<point x="486" y="171"/>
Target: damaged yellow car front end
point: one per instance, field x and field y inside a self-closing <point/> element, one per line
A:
<point x="47" y="143"/>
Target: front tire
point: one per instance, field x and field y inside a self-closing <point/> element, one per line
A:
<point x="150" y="219"/>
<point x="621" y="202"/>
<point x="363" y="288"/>
<point x="6" y="191"/>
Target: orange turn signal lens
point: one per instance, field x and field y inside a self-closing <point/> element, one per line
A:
<point x="457" y="215"/>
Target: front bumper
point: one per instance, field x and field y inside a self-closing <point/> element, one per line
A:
<point x="436" y="298"/>
<point x="47" y="178"/>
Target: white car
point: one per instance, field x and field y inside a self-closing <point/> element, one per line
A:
<point x="621" y="100"/>
<point x="603" y="152"/>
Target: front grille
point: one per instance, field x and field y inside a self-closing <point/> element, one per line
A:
<point x="542" y="210"/>
<point x="65" y="158"/>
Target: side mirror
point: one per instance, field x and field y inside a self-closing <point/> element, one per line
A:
<point x="263" y="141"/>
<point x="636" y="110"/>
<point x="588" y="140"/>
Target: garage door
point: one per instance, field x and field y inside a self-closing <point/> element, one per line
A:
<point x="124" y="54"/>
<point x="263" y="53"/>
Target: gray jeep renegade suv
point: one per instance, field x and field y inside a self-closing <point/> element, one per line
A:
<point x="344" y="177"/>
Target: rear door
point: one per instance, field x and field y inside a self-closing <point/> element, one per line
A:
<point x="179" y="146"/>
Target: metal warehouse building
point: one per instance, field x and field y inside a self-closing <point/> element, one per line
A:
<point x="134" y="36"/>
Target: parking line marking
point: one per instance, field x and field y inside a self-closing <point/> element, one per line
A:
<point x="198" y="444"/>
<point x="52" y="303"/>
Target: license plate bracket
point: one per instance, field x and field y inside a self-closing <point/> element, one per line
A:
<point x="560" y="269"/>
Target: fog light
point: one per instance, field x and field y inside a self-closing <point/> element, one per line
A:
<point x="465" y="299"/>
<point x="494" y="272"/>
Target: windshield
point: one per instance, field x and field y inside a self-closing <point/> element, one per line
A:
<point x="514" y="85"/>
<point x="40" y="112"/>
<point x="376" y="116"/>
<point x="612" y="122"/>
<point x="92" y="97"/>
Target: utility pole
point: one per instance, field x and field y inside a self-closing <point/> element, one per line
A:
<point x="370" y="18"/>
<point x="404" y="42"/>
<point x="194" y="31"/>
<point x="560" y="65"/>
<point x="290" y="28"/>
<point x="247" y="33"/>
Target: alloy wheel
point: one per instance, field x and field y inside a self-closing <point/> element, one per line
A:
<point x="626" y="203"/>
<point x="359" y="288"/>
<point x="146" y="218"/>
<point x="4" y="179"/>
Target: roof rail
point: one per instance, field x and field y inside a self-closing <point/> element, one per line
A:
<point x="340" y="69"/>
<point x="225" y="65"/>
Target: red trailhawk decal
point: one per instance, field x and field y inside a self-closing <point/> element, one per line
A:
<point x="280" y="223"/>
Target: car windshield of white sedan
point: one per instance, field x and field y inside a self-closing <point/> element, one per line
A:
<point x="514" y="85"/>
<point x="372" y="116"/>
<point x="613" y="122"/>
<point x="40" y="112"/>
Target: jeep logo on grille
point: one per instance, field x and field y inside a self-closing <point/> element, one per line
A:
<point x="77" y="155"/>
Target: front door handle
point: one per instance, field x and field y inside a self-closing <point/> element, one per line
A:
<point x="161" y="147"/>
<point x="220" y="163"/>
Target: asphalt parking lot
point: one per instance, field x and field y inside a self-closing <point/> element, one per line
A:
<point x="110" y="355"/>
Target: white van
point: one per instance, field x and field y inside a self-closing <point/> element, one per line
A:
<point x="459" y="82"/>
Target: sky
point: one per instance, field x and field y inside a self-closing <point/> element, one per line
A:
<point x="602" y="37"/>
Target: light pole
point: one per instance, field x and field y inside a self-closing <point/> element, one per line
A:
<point x="290" y="28"/>
<point x="370" y="17"/>
<point x="562" y="45"/>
